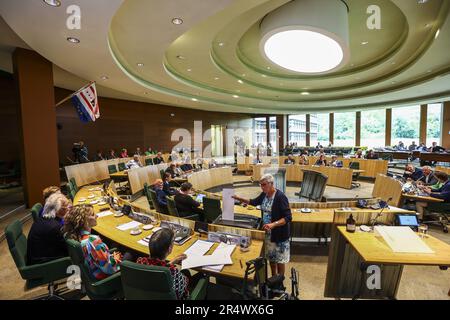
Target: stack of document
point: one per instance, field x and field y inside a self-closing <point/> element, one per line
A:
<point x="128" y="225"/>
<point x="402" y="239"/>
<point x="104" y="213"/>
<point x="196" y="255"/>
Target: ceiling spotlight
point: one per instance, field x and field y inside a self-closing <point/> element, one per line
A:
<point x="194" y="99"/>
<point x="305" y="93"/>
<point x="422" y="1"/>
<point x="364" y="43"/>
<point x="53" y="3"/>
<point x="140" y="64"/>
<point x="437" y="34"/>
<point x="221" y="44"/>
<point x="235" y="96"/>
<point x="189" y="70"/>
<point x="181" y="57"/>
<point x="240" y="81"/>
<point x="172" y="114"/>
<point x="299" y="41"/>
<point x="104" y="77"/>
<point x="264" y="76"/>
<point x="177" y="21"/>
<point x="73" y="40"/>
<point x="216" y="78"/>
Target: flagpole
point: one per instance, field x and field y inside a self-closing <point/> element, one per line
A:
<point x="72" y="94"/>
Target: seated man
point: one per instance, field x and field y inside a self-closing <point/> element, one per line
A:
<point x="166" y="185"/>
<point x="171" y="170"/>
<point x="413" y="146"/>
<point x="161" y="196"/>
<point x="134" y="163"/>
<point x="436" y="148"/>
<point x="428" y="177"/>
<point x="213" y="163"/>
<point x="335" y="162"/>
<point x="320" y="152"/>
<point x="45" y="241"/>
<point x="185" y="204"/>
<point x="412" y="173"/>
<point x="303" y="158"/>
<point x="186" y="167"/>
<point x="442" y="193"/>
<point x="160" y="246"/>
<point x="290" y="159"/>
<point x="359" y="154"/>
<point x="158" y="159"/>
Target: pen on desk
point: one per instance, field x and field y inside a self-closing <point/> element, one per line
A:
<point x="240" y="261"/>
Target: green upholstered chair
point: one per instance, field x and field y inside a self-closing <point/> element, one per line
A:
<point x="154" y="199"/>
<point x="146" y="191"/>
<point x="173" y="211"/>
<point x="112" y="168"/>
<point x="355" y="176"/>
<point x="162" y="172"/>
<point x="71" y="191"/>
<point x="121" y="166"/>
<point x="108" y="288"/>
<point x="35" y="211"/>
<point x="38" y="274"/>
<point x="74" y="184"/>
<point x="212" y="209"/>
<point x="143" y="282"/>
<point x="148" y="162"/>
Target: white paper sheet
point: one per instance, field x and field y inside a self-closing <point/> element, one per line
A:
<point x="199" y="248"/>
<point x="402" y="239"/>
<point x="104" y="214"/>
<point x="220" y="256"/>
<point x="128" y="225"/>
<point x="224" y="248"/>
<point x="228" y="204"/>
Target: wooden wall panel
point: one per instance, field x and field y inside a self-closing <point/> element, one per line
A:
<point x="446" y="126"/>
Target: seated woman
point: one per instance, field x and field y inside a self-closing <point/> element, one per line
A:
<point x="371" y="155"/>
<point x="442" y="193"/>
<point x="45" y="241"/>
<point x="161" y="196"/>
<point x="289" y="160"/>
<point x="187" y="206"/>
<point x="321" y="161"/>
<point x="134" y="163"/>
<point x="335" y="162"/>
<point x="359" y="154"/>
<point x="303" y="158"/>
<point x="171" y="170"/>
<point x="160" y="246"/>
<point x="77" y="225"/>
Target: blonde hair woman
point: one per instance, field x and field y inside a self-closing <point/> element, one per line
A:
<point x="77" y="225"/>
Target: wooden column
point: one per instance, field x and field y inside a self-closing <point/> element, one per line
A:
<point x="281" y="131"/>
<point x="331" y="133"/>
<point x="446" y="125"/>
<point x="387" y="137"/>
<point x="267" y="130"/>
<point x="358" y="129"/>
<point x="423" y="124"/>
<point x="308" y="130"/>
<point x="37" y="124"/>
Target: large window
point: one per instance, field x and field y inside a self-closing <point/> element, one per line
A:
<point x="344" y="129"/>
<point x="297" y="129"/>
<point x="320" y="129"/>
<point x="373" y="128"/>
<point x="405" y="125"/>
<point x="259" y="132"/>
<point x="434" y="125"/>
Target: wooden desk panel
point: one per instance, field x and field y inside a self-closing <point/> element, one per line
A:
<point x="89" y="172"/>
<point x="386" y="187"/>
<point x="443" y="169"/>
<point x="207" y="179"/>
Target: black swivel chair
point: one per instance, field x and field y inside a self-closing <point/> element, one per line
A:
<point x="212" y="209"/>
<point x="173" y="211"/>
<point x="355" y="166"/>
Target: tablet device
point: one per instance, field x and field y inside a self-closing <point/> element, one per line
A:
<point x="406" y="220"/>
<point x="200" y="198"/>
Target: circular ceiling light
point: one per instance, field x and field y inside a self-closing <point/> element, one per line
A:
<point x="307" y="36"/>
<point x="53" y="3"/>
<point x="177" y="21"/>
<point x="73" y="40"/>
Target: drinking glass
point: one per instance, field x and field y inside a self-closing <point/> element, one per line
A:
<point x="423" y="228"/>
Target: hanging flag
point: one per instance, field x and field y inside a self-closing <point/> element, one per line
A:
<point x="86" y="103"/>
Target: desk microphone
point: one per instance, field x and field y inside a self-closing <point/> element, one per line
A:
<point x="380" y="213"/>
<point x="353" y="199"/>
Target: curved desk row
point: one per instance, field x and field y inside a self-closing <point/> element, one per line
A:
<point x="338" y="177"/>
<point x="207" y="179"/>
<point x="107" y="228"/>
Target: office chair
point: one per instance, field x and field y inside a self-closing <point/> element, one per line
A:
<point x="37" y="274"/>
<point x="35" y="211"/>
<point x="212" y="209"/>
<point x="440" y="212"/>
<point x="112" y="168"/>
<point x="74" y="184"/>
<point x="144" y="282"/>
<point x="148" y="162"/>
<point x="355" y="166"/>
<point x="154" y="198"/>
<point x="173" y="211"/>
<point x="147" y="195"/>
<point x="121" y="166"/>
<point x="162" y="172"/>
<point x="71" y="190"/>
<point x="108" y="288"/>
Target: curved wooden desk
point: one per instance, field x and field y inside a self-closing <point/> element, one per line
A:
<point x="106" y="227"/>
<point x="210" y="178"/>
